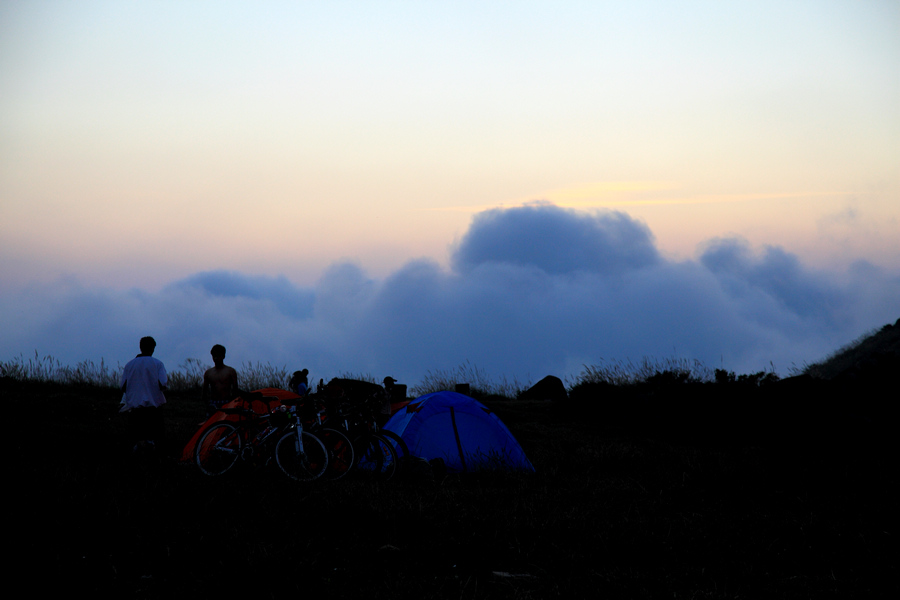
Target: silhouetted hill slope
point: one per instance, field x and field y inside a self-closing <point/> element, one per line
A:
<point x="842" y="404"/>
<point x="875" y="356"/>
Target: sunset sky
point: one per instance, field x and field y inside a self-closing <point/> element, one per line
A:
<point x="235" y="172"/>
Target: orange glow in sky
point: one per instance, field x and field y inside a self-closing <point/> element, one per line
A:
<point x="140" y="143"/>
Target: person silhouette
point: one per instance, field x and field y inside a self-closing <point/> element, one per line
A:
<point x="220" y="383"/>
<point x="143" y="382"/>
<point x="299" y="383"/>
<point x="385" y="413"/>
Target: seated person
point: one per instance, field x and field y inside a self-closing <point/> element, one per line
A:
<point x="299" y="383"/>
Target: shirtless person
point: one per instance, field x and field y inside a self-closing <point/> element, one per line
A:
<point x="220" y="383"/>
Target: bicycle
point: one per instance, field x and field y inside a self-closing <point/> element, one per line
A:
<point x="260" y="437"/>
<point x="376" y="457"/>
<point x="376" y="451"/>
<point x="341" y="454"/>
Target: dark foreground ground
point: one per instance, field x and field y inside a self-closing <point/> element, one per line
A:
<point x="648" y="504"/>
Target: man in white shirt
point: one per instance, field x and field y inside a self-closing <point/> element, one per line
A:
<point x="143" y="382"/>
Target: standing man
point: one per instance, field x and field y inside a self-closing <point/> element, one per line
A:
<point x="220" y="383"/>
<point x="143" y="381"/>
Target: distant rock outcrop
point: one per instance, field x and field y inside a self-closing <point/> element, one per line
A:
<point x="548" y="388"/>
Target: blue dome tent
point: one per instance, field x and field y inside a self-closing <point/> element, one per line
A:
<point x="461" y="431"/>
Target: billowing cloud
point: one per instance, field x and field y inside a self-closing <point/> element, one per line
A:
<point x="533" y="290"/>
<point x="773" y="276"/>
<point x="557" y="240"/>
<point x="286" y="297"/>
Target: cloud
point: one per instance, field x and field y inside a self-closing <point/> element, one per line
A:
<point x="773" y="276"/>
<point x="287" y="298"/>
<point x="533" y="290"/>
<point x="556" y="240"/>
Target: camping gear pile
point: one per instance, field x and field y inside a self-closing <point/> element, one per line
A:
<point x="332" y="420"/>
<point x="260" y="438"/>
<point x="446" y="428"/>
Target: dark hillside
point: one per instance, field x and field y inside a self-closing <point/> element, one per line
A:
<point x="850" y="395"/>
<point x="873" y="355"/>
<point x="700" y="491"/>
<point x="861" y="378"/>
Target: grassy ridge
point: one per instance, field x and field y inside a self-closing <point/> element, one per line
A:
<point x="189" y="375"/>
<point x="638" y="494"/>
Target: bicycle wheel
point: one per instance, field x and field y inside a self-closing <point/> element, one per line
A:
<point x="340" y="452"/>
<point x="218" y="449"/>
<point x="377" y="459"/>
<point x="301" y="455"/>
<point x="399" y="445"/>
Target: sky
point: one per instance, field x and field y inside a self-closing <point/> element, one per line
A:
<point x="398" y="187"/>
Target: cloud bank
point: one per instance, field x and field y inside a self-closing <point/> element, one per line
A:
<point x="531" y="291"/>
